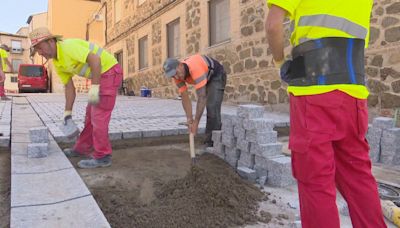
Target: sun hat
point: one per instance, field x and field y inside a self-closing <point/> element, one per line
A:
<point x="41" y="34"/>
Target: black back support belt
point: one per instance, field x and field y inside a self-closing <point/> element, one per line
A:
<point x="327" y="61"/>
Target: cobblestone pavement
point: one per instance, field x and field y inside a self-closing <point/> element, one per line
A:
<point x="133" y="117"/>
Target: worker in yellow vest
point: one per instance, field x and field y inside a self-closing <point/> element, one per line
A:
<point x="78" y="57"/>
<point x="4" y="49"/>
<point x="328" y="107"/>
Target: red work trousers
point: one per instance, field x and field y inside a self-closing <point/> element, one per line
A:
<point x="2" y="91"/>
<point x="94" y="135"/>
<point x="329" y="151"/>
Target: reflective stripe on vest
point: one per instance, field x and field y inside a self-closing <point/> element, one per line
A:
<point x="333" y="22"/>
<point x="86" y="66"/>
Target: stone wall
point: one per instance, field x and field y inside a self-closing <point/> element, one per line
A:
<point x="383" y="57"/>
<point x="246" y="56"/>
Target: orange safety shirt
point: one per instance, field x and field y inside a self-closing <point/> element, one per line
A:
<point x="198" y="72"/>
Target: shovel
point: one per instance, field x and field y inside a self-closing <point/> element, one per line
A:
<point x="191" y="144"/>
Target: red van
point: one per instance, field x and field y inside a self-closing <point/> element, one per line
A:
<point x="32" y="78"/>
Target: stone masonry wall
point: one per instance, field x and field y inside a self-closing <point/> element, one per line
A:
<point x="246" y="57"/>
<point x="383" y="57"/>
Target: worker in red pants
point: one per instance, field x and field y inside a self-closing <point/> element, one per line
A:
<point x="4" y="49"/>
<point x="328" y="107"/>
<point x="79" y="57"/>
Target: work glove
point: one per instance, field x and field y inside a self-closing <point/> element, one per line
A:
<point x="67" y="116"/>
<point x="94" y="94"/>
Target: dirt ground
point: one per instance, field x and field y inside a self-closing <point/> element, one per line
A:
<point x="5" y="184"/>
<point x="152" y="184"/>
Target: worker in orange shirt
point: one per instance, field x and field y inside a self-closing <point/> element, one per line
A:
<point x="3" y="62"/>
<point x="209" y="79"/>
<point x="78" y="57"/>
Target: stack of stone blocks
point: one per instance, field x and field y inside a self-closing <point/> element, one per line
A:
<point x="38" y="148"/>
<point x="384" y="141"/>
<point x="249" y="144"/>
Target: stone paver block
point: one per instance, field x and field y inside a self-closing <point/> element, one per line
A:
<point x="247" y="173"/>
<point x="216" y="136"/>
<point x="260" y="165"/>
<point x="227" y="130"/>
<point x="243" y="145"/>
<point x="62" y="214"/>
<point x="232" y="160"/>
<point x="263" y="137"/>
<point x="39" y="134"/>
<point x="383" y="122"/>
<point x="151" y="133"/>
<point x="38" y="150"/>
<point x="250" y="111"/>
<point x="46" y="188"/>
<point x="266" y="150"/>
<point x="132" y="134"/>
<point x="228" y="140"/>
<point x="280" y="172"/>
<point x="246" y="160"/>
<point x="374" y="139"/>
<point x="259" y="124"/>
<point x="4" y="141"/>
<point x="115" y="135"/>
<point x="239" y="132"/>
<point x="169" y="132"/>
<point x="390" y="146"/>
<point x="219" y="147"/>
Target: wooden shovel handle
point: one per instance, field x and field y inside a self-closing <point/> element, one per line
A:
<point x="191" y="142"/>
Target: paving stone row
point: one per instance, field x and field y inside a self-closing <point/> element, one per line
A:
<point x="132" y="117"/>
<point x="384" y="138"/>
<point x="248" y="142"/>
<point x="46" y="191"/>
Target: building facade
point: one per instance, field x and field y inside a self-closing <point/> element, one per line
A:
<point x="143" y="33"/>
<point x="19" y="54"/>
<point x="70" y="19"/>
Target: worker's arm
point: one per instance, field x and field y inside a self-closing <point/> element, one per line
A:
<point x="187" y="106"/>
<point x="275" y="33"/>
<point x="95" y="67"/>
<point x="201" y="104"/>
<point x="69" y="95"/>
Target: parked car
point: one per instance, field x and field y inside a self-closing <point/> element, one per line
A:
<point x="33" y="78"/>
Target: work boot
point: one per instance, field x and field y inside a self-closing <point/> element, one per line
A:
<point x="95" y="163"/>
<point x="71" y="153"/>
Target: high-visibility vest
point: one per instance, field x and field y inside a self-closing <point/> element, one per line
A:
<point x="311" y="19"/>
<point x="335" y="18"/>
<point x="200" y="69"/>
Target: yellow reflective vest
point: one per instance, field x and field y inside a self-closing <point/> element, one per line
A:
<point x="311" y="19"/>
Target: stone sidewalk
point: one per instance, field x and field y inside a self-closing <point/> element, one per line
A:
<point x="133" y="117"/>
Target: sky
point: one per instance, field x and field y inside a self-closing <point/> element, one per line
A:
<point x="15" y="13"/>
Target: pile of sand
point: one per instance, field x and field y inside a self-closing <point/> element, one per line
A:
<point x="210" y="195"/>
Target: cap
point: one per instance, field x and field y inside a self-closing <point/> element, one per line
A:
<point x="170" y="67"/>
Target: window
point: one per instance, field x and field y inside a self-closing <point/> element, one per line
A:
<point x="219" y="21"/>
<point x="143" y="62"/>
<point x="16" y="46"/>
<point x="14" y="79"/>
<point x="173" y="39"/>
<point x="117" y="10"/>
<point x="15" y="64"/>
<point x="120" y="58"/>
